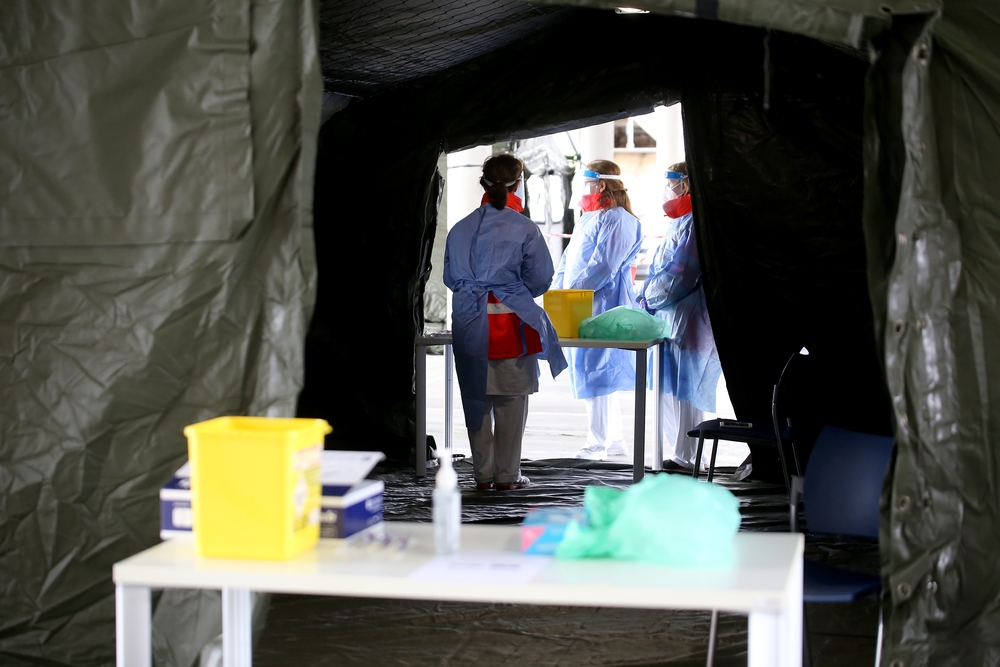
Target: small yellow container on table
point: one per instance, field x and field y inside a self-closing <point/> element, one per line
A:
<point x="567" y="308"/>
<point x="255" y="485"/>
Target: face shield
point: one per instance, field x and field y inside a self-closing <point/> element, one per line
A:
<point x="675" y="204"/>
<point x="519" y="193"/>
<point x="592" y="196"/>
<point x="591" y="175"/>
<point x="675" y="185"/>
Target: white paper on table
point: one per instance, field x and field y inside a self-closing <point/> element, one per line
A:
<point x="347" y="468"/>
<point x="482" y="567"/>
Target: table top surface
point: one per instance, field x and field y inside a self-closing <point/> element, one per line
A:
<point x="760" y="578"/>
<point x="445" y="338"/>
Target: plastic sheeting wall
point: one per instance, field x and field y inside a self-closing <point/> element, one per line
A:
<point x="156" y="269"/>
<point x="777" y="179"/>
<point x="931" y="215"/>
<point x="930" y="221"/>
<point x="934" y="218"/>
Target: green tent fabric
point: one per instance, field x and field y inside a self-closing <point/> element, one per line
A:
<point x="932" y="224"/>
<point x="941" y="333"/>
<point x="929" y="138"/>
<point x="156" y="269"/>
<point x="157" y="265"/>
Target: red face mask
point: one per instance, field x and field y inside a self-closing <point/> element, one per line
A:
<point x="513" y="201"/>
<point x="679" y="207"/>
<point x="591" y="202"/>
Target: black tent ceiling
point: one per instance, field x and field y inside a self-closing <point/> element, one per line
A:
<point x="368" y="46"/>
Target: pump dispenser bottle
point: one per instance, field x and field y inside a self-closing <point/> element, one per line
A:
<point x="447" y="506"/>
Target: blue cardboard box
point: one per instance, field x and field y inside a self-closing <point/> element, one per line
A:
<point x="176" y="517"/>
<point x="543" y="529"/>
<point x="345" y="508"/>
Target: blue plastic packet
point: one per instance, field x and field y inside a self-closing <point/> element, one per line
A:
<point x="543" y="529"/>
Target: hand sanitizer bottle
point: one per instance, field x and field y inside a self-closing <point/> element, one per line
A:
<point x="447" y="506"/>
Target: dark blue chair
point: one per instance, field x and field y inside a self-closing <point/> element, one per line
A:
<point x="840" y="495"/>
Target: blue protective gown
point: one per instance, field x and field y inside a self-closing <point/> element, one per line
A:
<point x="673" y="291"/>
<point x="599" y="257"/>
<point x="501" y="252"/>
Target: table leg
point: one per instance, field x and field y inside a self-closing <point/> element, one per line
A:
<point x="713" y="633"/>
<point x="237" y="645"/>
<point x="762" y="639"/>
<point x="775" y="638"/>
<point x="658" y="351"/>
<point x="449" y="396"/>
<point x="133" y="626"/>
<point x="790" y="622"/>
<point x="639" y="453"/>
<point x="420" y="368"/>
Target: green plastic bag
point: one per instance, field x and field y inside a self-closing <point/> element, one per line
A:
<point x="668" y="519"/>
<point x="624" y="323"/>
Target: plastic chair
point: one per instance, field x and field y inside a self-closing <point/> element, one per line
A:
<point x="753" y="433"/>
<point x="840" y="495"/>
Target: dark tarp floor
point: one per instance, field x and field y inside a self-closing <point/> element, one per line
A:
<point x="324" y="631"/>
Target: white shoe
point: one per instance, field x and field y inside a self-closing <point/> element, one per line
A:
<point x="593" y="453"/>
<point x="617" y="449"/>
<point x="674" y="465"/>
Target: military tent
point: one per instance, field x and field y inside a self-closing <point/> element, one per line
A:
<point x="161" y="265"/>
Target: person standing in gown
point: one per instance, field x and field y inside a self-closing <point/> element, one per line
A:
<point x="673" y="292"/>
<point x="496" y="262"/>
<point x="605" y="240"/>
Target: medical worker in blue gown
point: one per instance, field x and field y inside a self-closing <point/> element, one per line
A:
<point x="599" y="256"/>
<point x="673" y="292"/>
<point x="496" y="261"/>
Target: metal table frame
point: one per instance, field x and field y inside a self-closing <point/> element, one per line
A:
<point x="641" y="348"/>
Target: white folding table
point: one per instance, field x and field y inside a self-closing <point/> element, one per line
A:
<point x="764" y="581"/>
<point x="640" y="347"/>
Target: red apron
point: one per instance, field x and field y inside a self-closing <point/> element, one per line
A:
<point x="509" y="336"/>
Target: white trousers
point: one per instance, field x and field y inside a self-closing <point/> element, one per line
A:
<point x="679" y="417"/>
<point x="604" y="414"/>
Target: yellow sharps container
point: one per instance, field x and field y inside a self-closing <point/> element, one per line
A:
<point x="255" y="485"/>
<point x="567" y="308"/>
